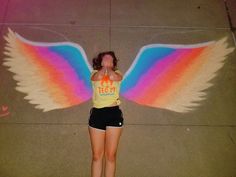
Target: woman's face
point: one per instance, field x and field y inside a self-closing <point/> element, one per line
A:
<point x="107" y="61"/>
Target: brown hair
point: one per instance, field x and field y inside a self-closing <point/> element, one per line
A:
<point x="98" y="60"/>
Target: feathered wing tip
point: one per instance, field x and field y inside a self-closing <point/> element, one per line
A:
<point x="174" y="77"/>
<point x="52" y="75"/>
<point x="210" y="61"/>
<point x="10" y="39"/>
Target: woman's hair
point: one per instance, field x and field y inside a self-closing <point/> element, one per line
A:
<point x="97" y="61"/>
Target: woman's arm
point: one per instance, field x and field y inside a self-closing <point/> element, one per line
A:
<point x="106" y="71"/>
<point x="98" y="75"/>
<point x="114" y="75"/>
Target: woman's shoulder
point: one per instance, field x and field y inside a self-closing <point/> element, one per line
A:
<point x="118" y="71"/>
<point x="94" y="71"/>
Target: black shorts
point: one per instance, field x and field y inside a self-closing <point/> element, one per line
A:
<point x="100" y="118"/>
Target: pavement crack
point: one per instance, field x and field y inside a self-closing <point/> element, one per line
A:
<point x="231" y="138"/>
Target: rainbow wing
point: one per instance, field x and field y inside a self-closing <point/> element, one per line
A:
<point x="173" y="76"/>
<point x="53" y="75"/>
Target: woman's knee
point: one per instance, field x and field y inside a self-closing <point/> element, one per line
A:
<point x="110" y="157"/>
<point x="97" y="156"/>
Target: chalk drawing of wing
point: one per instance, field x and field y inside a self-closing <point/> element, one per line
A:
<point x="174" y="77"/>
<point x="52" y="75"/>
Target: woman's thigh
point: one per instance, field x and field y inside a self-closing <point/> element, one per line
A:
<point x="112" y="139"/>
<point x="97" y="138"/>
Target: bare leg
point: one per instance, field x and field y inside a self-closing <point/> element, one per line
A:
<point x="111" y="143"/>
<point x="97" y="138"/>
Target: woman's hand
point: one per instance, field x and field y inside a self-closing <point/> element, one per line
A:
<point x="107" y="61"/>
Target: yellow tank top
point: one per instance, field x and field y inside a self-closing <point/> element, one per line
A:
<point x="105" y="91"/>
